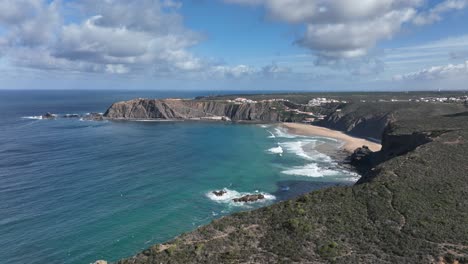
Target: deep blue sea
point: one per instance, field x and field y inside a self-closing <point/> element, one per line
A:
<point x="75" y="191"/>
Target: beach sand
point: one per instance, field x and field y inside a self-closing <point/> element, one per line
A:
<point x="350" y="143"/>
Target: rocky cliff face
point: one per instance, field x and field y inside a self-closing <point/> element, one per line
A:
<point x="189" y="109"/>
<point x="370" y="120"/>
<point x="359" y="120"/>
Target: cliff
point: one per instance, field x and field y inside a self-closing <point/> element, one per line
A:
<point x="193" y="109"/>
<point x="412" y="210"/>
<point x="369" y="120"/>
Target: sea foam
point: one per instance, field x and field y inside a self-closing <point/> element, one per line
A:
<point x="310" y="170"/>
<point x="277" y="150"/>
<point x="228" y="197"/>
<point x="282" y="133"/>
<point x="32" y="117"/>
<point x="271" y="134"/>
<point x="297" y="148"/>
<point x="314" y="171"/>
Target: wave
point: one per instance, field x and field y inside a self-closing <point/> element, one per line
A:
<point x="277" y="150"/>
<point x="310" y="170"/>
<point x="32" y="117"/>
<point x="231" y="194"/>
<point x="282" y="133"/>
<point x="271" y="134"/>
<point x="313" y="170"/>
<point x="297" y="148"/>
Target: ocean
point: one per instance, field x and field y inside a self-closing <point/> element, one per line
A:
<point x="75" y="191"/>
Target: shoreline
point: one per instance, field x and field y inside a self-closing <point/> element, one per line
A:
<point x="350" y="143"/>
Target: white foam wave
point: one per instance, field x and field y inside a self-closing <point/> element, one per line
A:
<point x="310" y="170"/>
<point x="282" y="133"/>
<point x="313" y="170"/>
<point x="32" y="117"/>
<point x="297" y="148"/>
<point x="228" y="197"/>
<point x="271" y="134"/>
<point x="277" y="150"/>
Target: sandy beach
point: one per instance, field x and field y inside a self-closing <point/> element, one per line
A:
<point x="350" y="143"/>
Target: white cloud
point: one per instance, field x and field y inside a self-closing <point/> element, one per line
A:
<point x="450" y="71"/>
<point x="353" y="39"/>
<point x="435" y="13"/>
<point x="343" y="29"/>
<point x="236" y="71"/>
<point x="241" y="71"/>
<point x="29" y="22"/>
<point x="117" y="68"/>
<point x="115" y="36"/>
<point x="111" y="37"/>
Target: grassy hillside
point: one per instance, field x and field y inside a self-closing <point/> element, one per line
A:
<point x="414" y="209"/>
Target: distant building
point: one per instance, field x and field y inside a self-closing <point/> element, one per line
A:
<point x="244" y="101"/>
<point x="322" y="100"/>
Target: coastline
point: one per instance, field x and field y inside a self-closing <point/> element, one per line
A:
<point x="350" y="143"/>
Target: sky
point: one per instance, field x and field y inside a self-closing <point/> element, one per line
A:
<point x="297" y="45"/>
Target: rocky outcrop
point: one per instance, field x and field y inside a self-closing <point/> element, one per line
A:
<point x="219" y="193"/>
<point x="361" y="156"/>
<point x="249" y="198"/>
<point x="49" y="116"/>
<point x="192" y="109"/>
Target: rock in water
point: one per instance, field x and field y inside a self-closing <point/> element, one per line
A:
<point x="219" y="193"/>
<point x="94" y="117"/>
<point x="100" y="262"/>
<point x="249" y="198"/>
<point x="49" y="116"/>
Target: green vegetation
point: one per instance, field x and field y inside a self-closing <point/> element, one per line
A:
<point x="411" y="207"/>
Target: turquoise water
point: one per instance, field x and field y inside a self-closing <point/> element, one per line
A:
<point x="76" y="191"/>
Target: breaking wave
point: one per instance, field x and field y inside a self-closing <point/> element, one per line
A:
<point x="298" y="148"/>
<point x="271" y="134"/>
<point x="277" y="150"/>
<point x="314" y="171"/>
<point x="282" y="133"/>
<point x="231" y="194"/>
<point x="32" y="117"/>
<point x="310" y="170"/>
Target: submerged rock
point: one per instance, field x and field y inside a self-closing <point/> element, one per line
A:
<point x="249" y="198"/>
<point x="219" y="193"/>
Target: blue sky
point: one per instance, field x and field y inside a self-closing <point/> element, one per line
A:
<point x="314" y="45"/>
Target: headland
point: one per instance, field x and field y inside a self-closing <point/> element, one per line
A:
<point x="408" y="207"/>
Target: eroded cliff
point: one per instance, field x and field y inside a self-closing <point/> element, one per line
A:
<point x="192" y="109"/>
